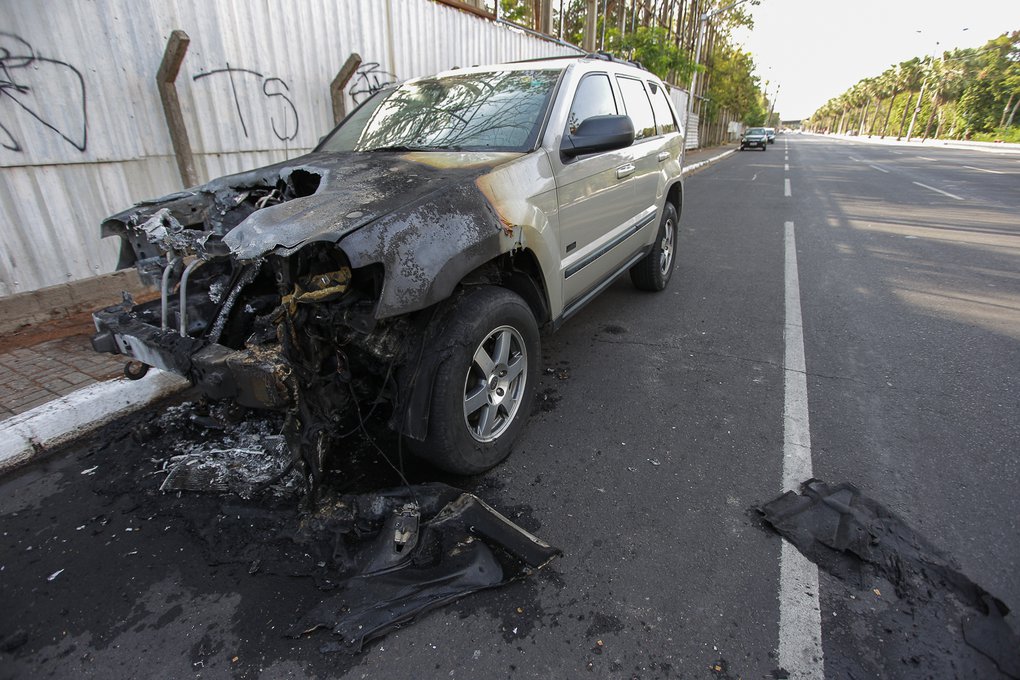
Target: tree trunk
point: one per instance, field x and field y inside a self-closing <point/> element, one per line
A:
<point x="888" y="114"/>
<point x="1005" y="109"/>
<point x="1012" y="113"/>
<point x="906" y="112"/>
<point x="931" y="115"/>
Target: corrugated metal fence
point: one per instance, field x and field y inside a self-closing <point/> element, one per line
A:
<point x="82" y="130"/>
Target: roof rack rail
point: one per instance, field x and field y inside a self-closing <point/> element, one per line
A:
<point x="606" y="56"/>
<point x="603" y="56"/>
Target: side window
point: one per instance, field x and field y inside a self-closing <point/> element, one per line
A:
<point x="594" y="97"/>
<point x="638" y="107"/>
<point x="663" y="112"/>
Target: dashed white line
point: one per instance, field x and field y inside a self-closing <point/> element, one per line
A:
<point x="994" y="172"/>
<point x="925" y="158"/>
<point x="879" y="168"/>
<point x="786" y="167"/>
<point x="786" y="187"/>
<point x="855" y="160"/>
<point x="800" y="618"/>
<point x="944" y="193"/>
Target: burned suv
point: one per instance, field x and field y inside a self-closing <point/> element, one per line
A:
<point x="411" y="258"/>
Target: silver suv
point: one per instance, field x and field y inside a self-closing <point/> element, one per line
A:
<point x="413" y="256"/>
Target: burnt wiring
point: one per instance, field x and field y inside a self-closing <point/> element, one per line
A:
<point x="371" y="440"/>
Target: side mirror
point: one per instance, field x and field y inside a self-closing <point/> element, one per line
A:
<point x="599" y="133"/>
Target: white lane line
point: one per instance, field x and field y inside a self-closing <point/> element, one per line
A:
<point x="786" y="187"/>
<point x="944" y="193"/>
<point x="994" y="172"/>
<point x="876" y="167"/>
<point x="925" y="158"/>
<point x="800" y="616"/>
<point x="855" y="160"/>
<point x="786" y="167"/>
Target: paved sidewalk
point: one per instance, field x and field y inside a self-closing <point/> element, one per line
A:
<point x="43" y="362"/>
<point x="46" y="361"/>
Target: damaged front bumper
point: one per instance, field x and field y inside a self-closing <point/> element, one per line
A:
<point x="254" y="377"/>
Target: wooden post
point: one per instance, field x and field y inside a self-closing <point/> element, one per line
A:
<point x="176" y="48"/>
<point x="590" y="24"/>
<point x="544" y="20"/>
<point x="336" y="88"/>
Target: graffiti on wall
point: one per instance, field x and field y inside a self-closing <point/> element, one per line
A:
<point x="275" y="91"/>
<point x="369" y="79"/>
<point x="27" y="81"/>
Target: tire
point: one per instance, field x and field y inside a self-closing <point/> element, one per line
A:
<point x="483" y="391"/>
<point x="654" y="270"/>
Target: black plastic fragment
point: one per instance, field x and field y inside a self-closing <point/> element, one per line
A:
<point x="935" y="606"/>
<point x="434" y="545"/>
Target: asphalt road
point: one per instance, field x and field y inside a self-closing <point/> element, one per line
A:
<point x="661" y="428"/>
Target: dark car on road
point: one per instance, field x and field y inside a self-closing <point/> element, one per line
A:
<point x="755" y="137"/>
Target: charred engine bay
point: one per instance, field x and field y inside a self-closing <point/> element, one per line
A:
<point x="379" y="548"/>
<point x="287" y="330"/>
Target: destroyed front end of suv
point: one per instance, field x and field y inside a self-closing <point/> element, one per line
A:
<point x="408" y="261"/>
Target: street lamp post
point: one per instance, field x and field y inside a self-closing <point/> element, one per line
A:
<point x="703" y="19"/>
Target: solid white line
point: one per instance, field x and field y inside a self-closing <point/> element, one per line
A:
<point x="786" y="188"/>
<point x="880" y="169"/>
<point x="800" y="617"/>
<point x="944" y="193"/>
<point x="994" y="172"/>
<point x="78" y="413"/>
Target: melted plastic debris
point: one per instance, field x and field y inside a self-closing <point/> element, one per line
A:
<point x="922" y="617"/>
<point x="242" y="460"/>
<point x="216" y="291"/>
<point x="419" y="559"/>
<point x="166" y="231"/>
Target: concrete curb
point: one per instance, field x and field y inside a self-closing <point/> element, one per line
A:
<point x="61" y="420"/>
<point x="689" y="169"/>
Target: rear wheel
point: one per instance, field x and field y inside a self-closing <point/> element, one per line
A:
<point x="653" y="271"/>
<point x="483" y="390"/>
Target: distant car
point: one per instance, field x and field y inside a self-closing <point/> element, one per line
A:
<point x="770" y="134"/>
<point x="754" y="137"/>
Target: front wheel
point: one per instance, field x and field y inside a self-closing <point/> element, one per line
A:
<point x="653" y="271"/>
<point x="484" y="389"/>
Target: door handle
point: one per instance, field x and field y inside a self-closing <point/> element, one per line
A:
<point x="663" y="156"/>
<point x="625" y="170"/>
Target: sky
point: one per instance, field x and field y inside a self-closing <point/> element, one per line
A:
<point x="813" y="50"/>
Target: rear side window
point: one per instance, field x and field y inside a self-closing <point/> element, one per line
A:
<point x="638" y="107"/>
<point x="663" y="111"/>
<point x="594" y="97"/>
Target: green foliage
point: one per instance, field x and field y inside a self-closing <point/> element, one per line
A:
<point x="654" y="49"/>
<point x="967" y="92"/>
<point x="1011" y="134"/>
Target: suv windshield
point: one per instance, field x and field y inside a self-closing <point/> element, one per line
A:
<point x="490" y="111"/>
<point x="755" y="131"/>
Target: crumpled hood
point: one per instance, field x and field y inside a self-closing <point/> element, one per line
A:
<point x="354" y="189"/>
